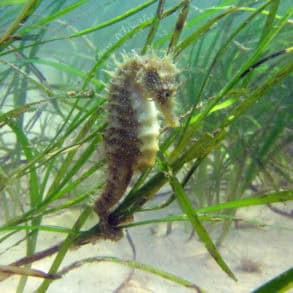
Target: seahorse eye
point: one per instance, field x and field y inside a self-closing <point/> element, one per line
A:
<point x="163" y="96"/>
<point x="166" y="94"/>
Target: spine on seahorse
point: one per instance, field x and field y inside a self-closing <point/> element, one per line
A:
<point x="141" y="87"/>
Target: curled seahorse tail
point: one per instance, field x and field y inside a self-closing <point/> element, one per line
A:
<point x="117" y="182"/>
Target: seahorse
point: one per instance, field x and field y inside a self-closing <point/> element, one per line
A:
<point x="140" y="89"/>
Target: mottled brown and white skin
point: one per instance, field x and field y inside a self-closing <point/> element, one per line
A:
<point x="141" y="87"/>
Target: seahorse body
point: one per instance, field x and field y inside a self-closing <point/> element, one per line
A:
<point x="141" y="87"/>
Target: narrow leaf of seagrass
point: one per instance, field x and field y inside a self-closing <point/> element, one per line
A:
<point x="206" y="13"/>
<point x="65" y="247"/>
<point x="40" y="85"/>
<point x="61" y="67"/>
<point x="78" y="199"/>
<point x="185" y="180"/>
<point x="186" y="207"/>
<point x="35" y="196"/>
<point x="48" y="228"/>
<point x="154" y="27"/>
<point x="72" y="184"/>
<point x="179" y="25"/>
<point x="27" y="149"/>
<point x="281" y="283"/>
<point x="23" y="271"/>
<point x="11" y="2"/>
<point x="136" y="265"/>
<point x="16" y="111"/>
<point x="50" y="18"/>
<point x="280" y="196"/>
<point x="27" y="10"/>
<point x="270" y="18"/>
<point x="202" y="29"/>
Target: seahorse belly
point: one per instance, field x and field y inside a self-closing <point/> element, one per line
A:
<point x="147" y="132"/>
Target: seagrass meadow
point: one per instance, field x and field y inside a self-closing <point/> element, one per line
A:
<point x="211" y="210"/>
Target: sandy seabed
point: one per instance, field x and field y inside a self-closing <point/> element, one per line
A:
<point x="254" y="253"/>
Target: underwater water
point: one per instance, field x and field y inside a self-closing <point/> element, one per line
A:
<point x="146" y="146"/>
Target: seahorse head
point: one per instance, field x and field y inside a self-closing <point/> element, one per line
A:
<point x="158" y="77"/>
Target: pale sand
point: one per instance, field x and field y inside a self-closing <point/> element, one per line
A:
<point x="269" y="248"/>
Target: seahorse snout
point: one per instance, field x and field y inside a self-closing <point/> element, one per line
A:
<point x="168" y="113"/>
